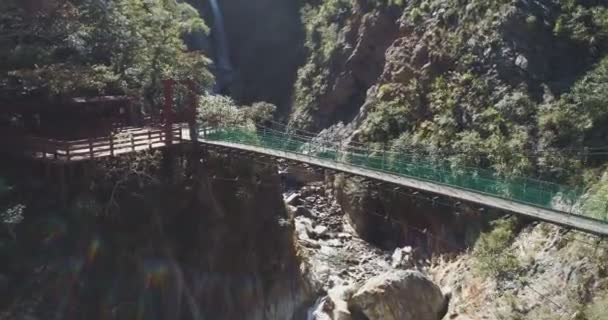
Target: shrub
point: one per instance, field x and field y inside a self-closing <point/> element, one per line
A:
<point x="492" y="254"/>
<point x="583" y="23"/>
<point x="260" y="112"/>
<point x="222" y="111"/>
<point x="596" y="205"/>
<point x="218" y="111"/>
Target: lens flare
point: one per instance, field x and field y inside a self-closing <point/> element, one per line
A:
<point x="156" y="273"/>
<point x="93" y="250"/>
<point x="53" y="230"/>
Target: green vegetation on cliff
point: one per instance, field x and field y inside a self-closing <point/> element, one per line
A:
<point x="515" y="86"/>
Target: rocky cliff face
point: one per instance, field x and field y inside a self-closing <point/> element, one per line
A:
<point x="215" y="243"/>
<point x="492" y="80"/>
<point x="511" y="86"/>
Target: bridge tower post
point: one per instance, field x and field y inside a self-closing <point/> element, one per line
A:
<point x="192" y="106"/>
<point x="168" y="110"/>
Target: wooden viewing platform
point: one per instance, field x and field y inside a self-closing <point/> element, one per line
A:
<point x="124" y="141"/>
<point x="69" y="129"/>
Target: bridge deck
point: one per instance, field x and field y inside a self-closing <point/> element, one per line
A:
<point x="557" y="217"/>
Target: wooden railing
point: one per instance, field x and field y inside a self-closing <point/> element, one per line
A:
<point x="123" y="142"/>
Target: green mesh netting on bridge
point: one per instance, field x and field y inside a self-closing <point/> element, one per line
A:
<point x="519" y="189"/>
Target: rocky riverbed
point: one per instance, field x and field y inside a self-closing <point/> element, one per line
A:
<point x="356" y="280"/>
<point x="559" y="272"/>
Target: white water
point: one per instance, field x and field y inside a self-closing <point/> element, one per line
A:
<point x="315" y="312"/>
<point x="221" y="42"/>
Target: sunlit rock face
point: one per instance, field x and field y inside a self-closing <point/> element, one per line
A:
<point x="399" y="295"/>
<point x="394" y="295"/>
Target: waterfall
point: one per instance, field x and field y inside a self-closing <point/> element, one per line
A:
<point x="216" y="45"/>
<point x="315" y="312"/>
<point x="222" y="54"/>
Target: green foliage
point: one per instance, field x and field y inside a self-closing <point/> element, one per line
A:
<point x="222" y="111"/>
<point x="468" y="115"/>
<point x="596" y="205"/>
<point x="398" y="3"/>
<point x="323" y="22"/>
<point x="219" y="111"/>
<point x="11" y="216"/>
<point x="583" y="23"/>
<point x="577" y="119"/>
<point x="461" y="127"/>
<point x="90" y="48"/>
<point x="260" y="112"/>
<point x="492" y="250"/>
<point x="393" y="113"/>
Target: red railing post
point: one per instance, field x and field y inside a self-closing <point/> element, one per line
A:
<point x="150" y="139"/>
<point x="193" y="105"/>
<point x="112" y="145"/>
<point x="168" y="86"/>
<point x="91" y="154"/>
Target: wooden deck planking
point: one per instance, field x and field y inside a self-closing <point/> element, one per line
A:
<point x="124" y="142"/>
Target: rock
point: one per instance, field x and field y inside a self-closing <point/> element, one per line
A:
<point x="319" y="231"/>
<point x="311" y="199"/>
<point x="309" y="243"/>
<point x="420" y="55"/>
<point x="303" y="227"/>
<point x="521" y="62"/>
<point x="344" y="235"/>
<point x="302" y="175"/>
<point x="304" y="212"/>
<point x="399" y="295"/>
<point x="291" y="210"/>
<point x="336" y="243"/>
<point x="293" y="199"/>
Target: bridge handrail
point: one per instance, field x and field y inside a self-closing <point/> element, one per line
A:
<point x="518" y="189"/>
<point x="349" y="149"/>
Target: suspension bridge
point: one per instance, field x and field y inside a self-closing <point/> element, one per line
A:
<point x="529" y="197"/>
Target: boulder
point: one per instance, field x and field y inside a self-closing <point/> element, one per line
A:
<point x="319" y="231"/>
<point x="398" y="295"/>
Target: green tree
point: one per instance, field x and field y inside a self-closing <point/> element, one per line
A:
<point x="98" y="47"/>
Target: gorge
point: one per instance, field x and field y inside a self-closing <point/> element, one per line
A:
<point x="189" y="232"/>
